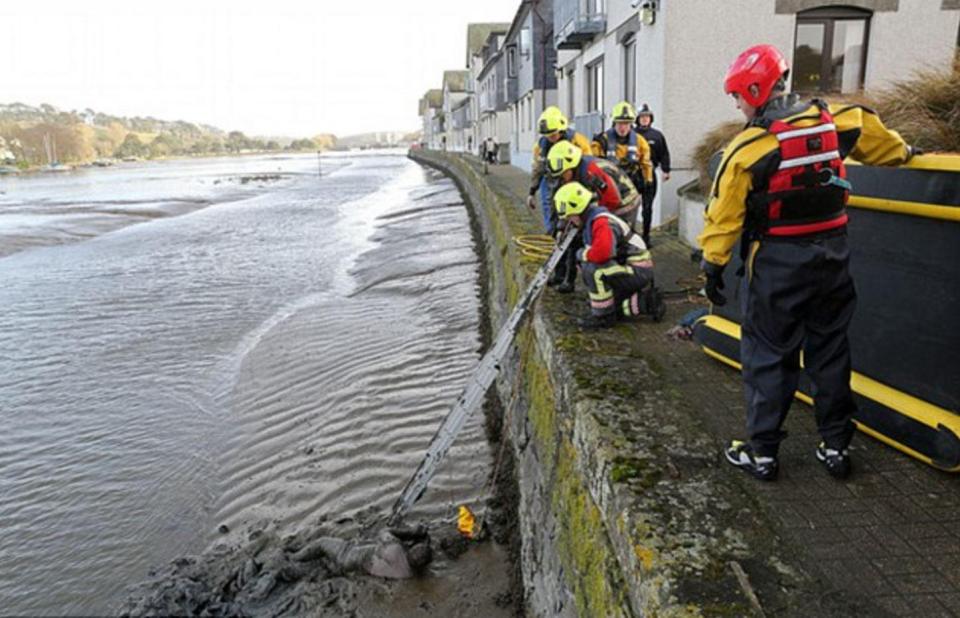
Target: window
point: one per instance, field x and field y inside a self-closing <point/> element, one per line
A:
<point x="831" y="50"/>
<point x="571" y="90"/>
<point x="512" y="61"/>
<point x="525" y="42"/>
<point x="595" y="87"/>
<point x="595" y="7"/>
<point x="630" y="70"/>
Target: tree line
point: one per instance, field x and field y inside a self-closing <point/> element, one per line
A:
<point x="84" y="136"/>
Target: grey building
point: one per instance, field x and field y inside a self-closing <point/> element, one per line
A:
<point x="530" y="60"/>
<point x="493" y="92"/>
<point x="477" y="37"/>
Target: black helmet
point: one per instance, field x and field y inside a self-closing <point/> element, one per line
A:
<point x="645" y="111"/>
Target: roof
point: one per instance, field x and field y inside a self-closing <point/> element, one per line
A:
<point x="431" y="99"/>
<point x="455" y="81"/>
<point x="477" y="35"/>
<point x="518" y="19"/>
<point x="434" y="97"/>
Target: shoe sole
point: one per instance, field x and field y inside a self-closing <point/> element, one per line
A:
<point x="739" y="464"/>
<point x="840" y="476"/>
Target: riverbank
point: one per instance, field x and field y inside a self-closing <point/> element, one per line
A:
<point x="626" y="508"/>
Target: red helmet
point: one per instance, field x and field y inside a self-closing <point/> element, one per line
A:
<point x="761" y="66"/>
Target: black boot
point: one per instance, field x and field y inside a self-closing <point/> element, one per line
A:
<point x="658" y="308"/>
<point x="596" y="322"/>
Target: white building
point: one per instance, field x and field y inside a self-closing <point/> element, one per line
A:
<point x="431" y="113"/>
<point x="673" y="55"/>
<point x="455" y="110"/>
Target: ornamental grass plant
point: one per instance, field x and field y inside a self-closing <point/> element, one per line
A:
<point x="924" y="109"/>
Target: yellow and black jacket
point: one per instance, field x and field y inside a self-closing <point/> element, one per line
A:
<point x="754" y="155"/>
<point x="542" y="147"/>
<point x="612" y="147"/>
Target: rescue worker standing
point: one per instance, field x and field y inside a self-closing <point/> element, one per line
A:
<point x="553" y="128"/>
<point x="622" y="145"/>
<point x="659" y="157"/>
<point x="616" y="266"/>
<point x="782" y="183"/>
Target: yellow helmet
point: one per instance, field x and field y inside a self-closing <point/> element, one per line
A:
<point x="623" y="112"/>
<point x="563" y="156"/>
<point x="572" y="199"/>
<point x="552" y="120"/>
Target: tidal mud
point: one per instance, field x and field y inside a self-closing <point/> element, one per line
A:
<point x="345" y="569"/>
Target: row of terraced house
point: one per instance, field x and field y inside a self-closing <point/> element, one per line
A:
<point x="586" y="55"/>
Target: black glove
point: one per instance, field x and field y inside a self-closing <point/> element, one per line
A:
<point x="714" y="284"/>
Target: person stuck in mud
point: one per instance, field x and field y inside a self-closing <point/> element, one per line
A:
<point x="397" y="553"/>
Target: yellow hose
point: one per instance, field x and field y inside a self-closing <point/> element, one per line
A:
<point x="537" y="247"/>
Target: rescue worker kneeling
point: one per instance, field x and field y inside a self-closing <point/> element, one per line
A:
<point x="616" y="266"/>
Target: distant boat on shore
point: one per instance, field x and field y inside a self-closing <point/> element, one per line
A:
<point x="53" y="165"/>
<point x="56" y="167"/>
<point x="6" y="170"/>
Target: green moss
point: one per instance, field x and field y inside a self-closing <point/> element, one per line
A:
<point x="542" y="410"/>
<point x="592" y="572"/>
<point x="641" y="471"/>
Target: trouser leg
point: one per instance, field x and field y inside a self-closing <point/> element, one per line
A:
<point x="546" y="206"/>
<point x="610" y="284"/>
<point x="630" y="217"/>
<point x="826" y="349"/>
<point x="771" y="335"/>
<point x="566" y="271"/>
<point x="649" y="193"/>
<point x="634" y="293"/>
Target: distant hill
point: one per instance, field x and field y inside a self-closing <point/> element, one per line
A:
<point x="29" y="136"/>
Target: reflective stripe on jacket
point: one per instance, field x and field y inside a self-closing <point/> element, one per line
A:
<point x="618" y="150"/>
<point x="861" y="135"/>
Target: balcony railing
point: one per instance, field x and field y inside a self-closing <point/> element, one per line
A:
<point x="573" y="26"/>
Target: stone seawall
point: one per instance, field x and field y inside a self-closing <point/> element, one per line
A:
<point x="626" y="507"/>
<point x="621" y="510"/>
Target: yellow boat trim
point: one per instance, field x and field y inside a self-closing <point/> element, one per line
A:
<point x="916" y="209"/>
<point x="908" y="405"/>
<point x="928" y="162"/>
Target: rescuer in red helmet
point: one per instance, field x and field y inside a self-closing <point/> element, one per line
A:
<point x="781" y="189"/>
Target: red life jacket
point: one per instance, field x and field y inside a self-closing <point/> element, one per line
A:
<point x="808" y="192"/>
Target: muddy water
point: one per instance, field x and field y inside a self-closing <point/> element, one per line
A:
<point x="251" y="353"/>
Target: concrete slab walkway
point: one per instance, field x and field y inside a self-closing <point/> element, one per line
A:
<point x="884" y="543"/>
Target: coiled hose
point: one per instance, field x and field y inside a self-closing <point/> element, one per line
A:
<point x="535" y="247"/>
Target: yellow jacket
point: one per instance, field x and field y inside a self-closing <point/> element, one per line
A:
<point x="862" y="137"/>
<point x="540" y="158"/>
<point x="599" y="148"/>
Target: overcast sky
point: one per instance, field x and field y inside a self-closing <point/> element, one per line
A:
<point x="270" y="67"/>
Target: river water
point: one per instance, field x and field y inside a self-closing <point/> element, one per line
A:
<point x="192" y="344"/>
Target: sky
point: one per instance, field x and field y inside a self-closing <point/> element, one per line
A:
<point x="267" y="68"/>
